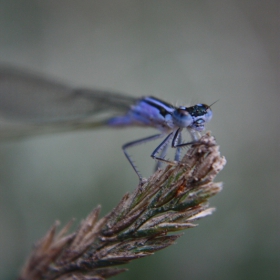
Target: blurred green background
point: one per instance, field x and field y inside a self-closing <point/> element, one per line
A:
<point x="184" y="52"/>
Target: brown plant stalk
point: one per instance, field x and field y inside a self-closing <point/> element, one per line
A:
<point x="141" y="224"/>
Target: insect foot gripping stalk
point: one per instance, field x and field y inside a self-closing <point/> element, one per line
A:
<point x="141" y="224"/>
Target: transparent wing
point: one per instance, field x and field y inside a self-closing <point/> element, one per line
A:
<point x="31" y="104"/>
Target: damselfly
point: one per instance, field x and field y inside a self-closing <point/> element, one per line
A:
<point x="30" y="104"/>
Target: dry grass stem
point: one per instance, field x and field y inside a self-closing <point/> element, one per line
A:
<point x="141" y="224"/>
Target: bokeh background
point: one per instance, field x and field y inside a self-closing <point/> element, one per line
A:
<point x="184" y="52"/>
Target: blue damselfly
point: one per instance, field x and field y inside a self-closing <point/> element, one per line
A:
<point x="30" y="104"/>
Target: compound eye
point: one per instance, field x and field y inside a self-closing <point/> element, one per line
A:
<point x="201" y="114"/>
<point x="203" y="111"/>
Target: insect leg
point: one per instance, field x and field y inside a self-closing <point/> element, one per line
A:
<point x="178" y="136"/>
<point x="162" y="146"/>
<point x="176" y="141"/>
<point x="178" y="149"/>
<point x="162" y="155"/>
<point x="135" y="143"/>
